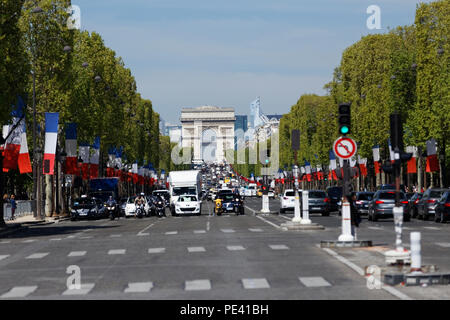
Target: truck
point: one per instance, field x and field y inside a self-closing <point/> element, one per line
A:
<point x="102" y="188"/>
<point x="186" y="182"/>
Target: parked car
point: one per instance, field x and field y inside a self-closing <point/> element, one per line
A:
<point x="362" y="201"/>
<point x="287" y="200"/>
<point x="319" y="202"/>
<point x="335" y="196"/>
<point x="87" y="208"/>
<point x="427" y="205"/>
<point x="413" y="203"/>
<point x="188" y="204"/>
<point x="382" y="205"/>
<point x="130" y="207"/>
<point x="442" y="211"/>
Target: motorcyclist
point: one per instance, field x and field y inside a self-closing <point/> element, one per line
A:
<point x="218" y="204"/>
<point x="138" y="202"/>
<point x="111" y="202"/>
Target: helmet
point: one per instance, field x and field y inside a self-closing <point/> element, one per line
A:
<point x="142" y="194"/>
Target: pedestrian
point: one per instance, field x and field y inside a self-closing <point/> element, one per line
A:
<point x="354" y="214"/>
<point x="13" y="206"/>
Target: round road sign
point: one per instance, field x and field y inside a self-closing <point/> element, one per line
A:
<point x="344" y="148"/>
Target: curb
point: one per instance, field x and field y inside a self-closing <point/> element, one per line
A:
<point x="10" y="230"/>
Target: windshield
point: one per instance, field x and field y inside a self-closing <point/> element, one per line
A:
<point x="317" y="195"/>
<point x="184" y="190"/>
<point x="227" y="197"/>
<point x="335" y="192"/>
<point x="436" y="194"/>
<point x="187" y="199"/>
<point x="104" y="196"/>
<point x="83" y="202"/>
<point x="290" y="194"/>
<point x="390" y="196"/>
<point x="365" y="196"/>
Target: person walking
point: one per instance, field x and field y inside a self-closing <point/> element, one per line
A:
<point x="13" y="203"/>
<point x="354" y="214"/>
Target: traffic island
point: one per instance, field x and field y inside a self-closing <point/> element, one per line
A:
<point x="402" y="275"/>
<point x="345" y="244"/>
<point x="298" y="226"/>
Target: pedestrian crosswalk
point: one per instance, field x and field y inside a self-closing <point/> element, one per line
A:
<point x="148" y="287"/>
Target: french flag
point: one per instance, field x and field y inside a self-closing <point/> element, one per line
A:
<point x="308" y="170"/>
<point x="391" y="152"/>
<point x="363" y="166"/>
<point x="71" y="149"/>
<point x="94" y="160"/>
<point x="12" y="145"/>
<point x="412" y="163"/>
<point x="83" y="152"/>
<point x="24" y="157"/>
<point x="376" y="158"/>
<point x="51" y="138"/>
<point x="432" y="159"/>
<point x="134" y="171"/>
<point x="111" y="162"/>
<point x="333" y="165"/>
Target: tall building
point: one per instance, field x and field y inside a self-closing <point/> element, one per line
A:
<point x="240" y="128"/>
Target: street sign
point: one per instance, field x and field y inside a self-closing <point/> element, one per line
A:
<point x="344" y="148"/>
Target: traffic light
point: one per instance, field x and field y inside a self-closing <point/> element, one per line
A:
<point x="396" y="132"/>
<point x="344" y="118"/>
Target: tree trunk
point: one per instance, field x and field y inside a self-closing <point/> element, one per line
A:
<point x="419" y="173"/>
<point x="48" y="196"/>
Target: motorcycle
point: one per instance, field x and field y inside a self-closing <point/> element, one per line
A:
<point x="160" y="208"/>
<point x="112" y="210"/>
<point x="218" y="207"/>
<point x="140" y="211"/>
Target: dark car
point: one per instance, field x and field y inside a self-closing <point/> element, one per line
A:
<point x="87" y="208"/>
<point x="165" y="194"/>
<point x="413" y="203"/>
<point x="319" y="202"/>
<point x="390" y="187"/>
<point x="335" y="195"/>
<point x="382" y="205"/>
<point x="227" y="201"/>
<point x="442" y="211"/>
<point x="427" y="205"/>
<point x="362" y="201"/>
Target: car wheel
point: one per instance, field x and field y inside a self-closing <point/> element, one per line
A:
<point x="437" y="218"/>
<point x="282" y="210"/>
<point x="425" y="217"/>
<point x="374" y="217"/>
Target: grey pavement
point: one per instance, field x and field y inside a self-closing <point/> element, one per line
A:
<point x="204" y="257"/>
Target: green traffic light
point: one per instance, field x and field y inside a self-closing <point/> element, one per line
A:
<point x="344" y="130"/>
<point x="267" y="161"/>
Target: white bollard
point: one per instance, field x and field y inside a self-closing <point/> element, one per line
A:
<point x="398" y="220"/>
<point x="416" y="259"/>
<point x="305" y="207"/>
<point x="265" y="204"/>
<point x="346" y="223"/>
<point x="297" y="216"/>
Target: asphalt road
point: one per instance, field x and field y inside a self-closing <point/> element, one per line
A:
<point x="203" y="257"/>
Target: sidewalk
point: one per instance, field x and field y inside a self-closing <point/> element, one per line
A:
<point x="23" y="222"/>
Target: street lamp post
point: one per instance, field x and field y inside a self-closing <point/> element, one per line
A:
<point x="297" y="218"/>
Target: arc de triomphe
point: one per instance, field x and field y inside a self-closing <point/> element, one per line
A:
<point x="209" y="130"/>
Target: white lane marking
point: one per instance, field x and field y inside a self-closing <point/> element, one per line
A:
<point x="207" y="226"/>
<point x="5" y="242"/>
<point x="56" y="239"/>
<point x="360" y="271"/>
<point x="278" y="247"/>
<point x="171" y="232"/>
<point x="314" y="282"/>
<point x="142" y="231"/>
<point x="77" y="254"/>
<point x="235" y="248"/>
<point x="255" y="283"/>
<point x="255" y="230"/>
<point x="115" y="235"/>
<point x="432" y="228"/>
<point x="85" y="289"/>
<point x="156" y="250"/>
<point x="375" y="228"/>
<point x="443" y="244"/>
<point x="37" y="255"/>
<point x="199" y="231"/>
<point x="2" y="257"/>
<point x="28" y="241"/>
<point x="266" y="221"/>
<point x="19" y="292"/>
<point x="87" y="237"/>
<point x="139" y="287"/>
<point x="195" y="285"/>
<point x="227" y="230"/>
<point x="116" y="251"/>
<point x="143" y="234"/>
<point x="196" y="249"/>
<point x="287" y="218"/>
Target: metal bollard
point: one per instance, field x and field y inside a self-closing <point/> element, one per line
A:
<point x="416" y="258"/>
<point x="305" y="207"/>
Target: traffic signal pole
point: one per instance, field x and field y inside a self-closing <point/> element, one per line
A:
<point x="346" y="211"/>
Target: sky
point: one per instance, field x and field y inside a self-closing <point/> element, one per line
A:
<point x="189" y="53"/>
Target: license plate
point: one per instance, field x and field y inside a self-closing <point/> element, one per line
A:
<point x="315" y="208"/>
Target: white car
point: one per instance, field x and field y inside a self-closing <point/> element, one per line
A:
<point x="130" y="208"/>
<point x="188" y="204"/>
<point x="287" y="201"/>
<point x="271" y="194"/>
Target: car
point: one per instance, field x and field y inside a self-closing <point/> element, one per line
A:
<point x="391" y="187"/>
<point x="335" y="196"/>
<point x="442" y="211"/>
<point x="271" y="194"/>
<point x="130" y="208"/>
<point x="382" y="205"/>
<point x="413" y="203"/>
<point x="187" y="204"/>
<point x="86" y="208"/>
<point x="362" y="201"/>
<point x="231" y="202"/>
<point x="318" y="202"/>
<point x="122" y="204"/>
<point x="165" y="194"/>
<point x="427" y="205"/>
<point x="287" y="200"/>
